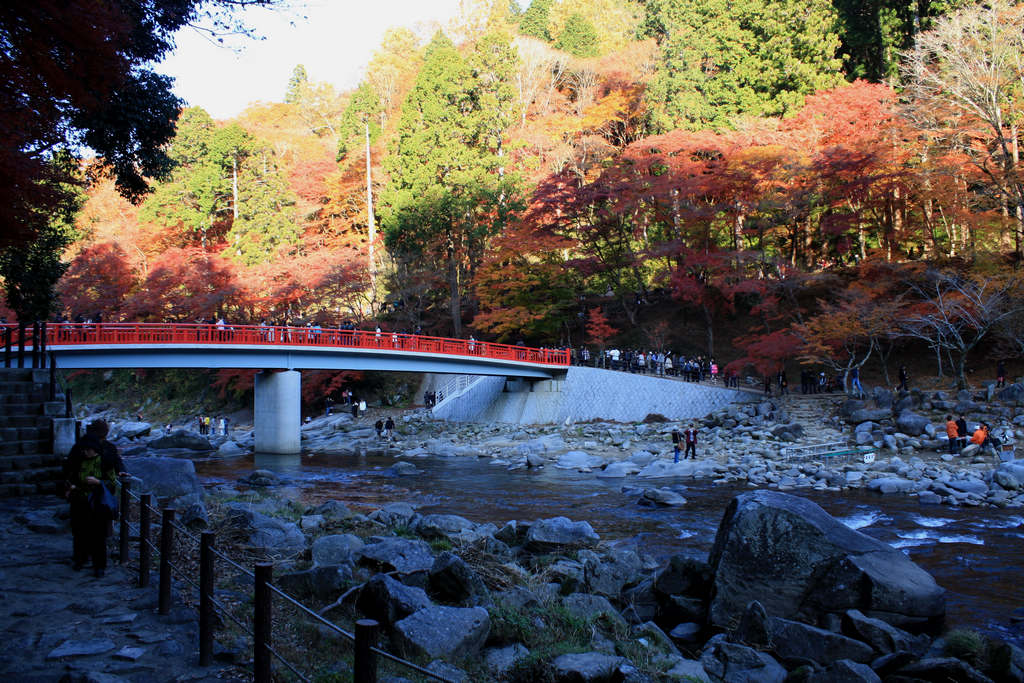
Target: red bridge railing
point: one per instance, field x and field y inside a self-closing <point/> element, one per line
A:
<point x="64" y="334"/>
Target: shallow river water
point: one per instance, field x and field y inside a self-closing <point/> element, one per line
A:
<point x="976" y="554"/>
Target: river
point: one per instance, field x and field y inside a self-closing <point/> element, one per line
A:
<point x="976" y="554"/>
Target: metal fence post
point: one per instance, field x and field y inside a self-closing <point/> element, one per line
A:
<point x="35" y="344"/>
<point x="144" y="553"/>
<point x="53" y="376"/>
<point x="206" y="581"/>
<point x="261" y="623"/>
<point x="365" y="664"/>
<point x="125" y="509"/>
<point x="166" y="545"/>
<point x="21" y="344"/>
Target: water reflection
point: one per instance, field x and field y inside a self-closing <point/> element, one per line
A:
<point x="975" y="553"/>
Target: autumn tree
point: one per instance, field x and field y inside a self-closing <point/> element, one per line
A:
<point x="98" y="279"/>
<point x="967" y="74"/>
<point x="79" y="75"/>
<point x="956" y="312"/>
<point x="599" y="330"/>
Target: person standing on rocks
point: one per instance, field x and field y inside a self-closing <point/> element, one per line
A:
<point x="953" y="434"/>
<point x="389" y="429"/>
<point x="1000" y="375"/>
<point x="379" y="426"/>
<point x="691" y="442"/>
<point x="904" y="379"/>
<point x="92" y="465"/>
<point x="855" y="382"/>
<point x="961" y="433"/>
<point x="675" y="445"/>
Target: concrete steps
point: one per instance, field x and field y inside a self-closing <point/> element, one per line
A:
<point x="27" y="465"/>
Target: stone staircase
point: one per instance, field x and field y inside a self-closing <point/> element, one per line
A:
<point x="27" y="464"/>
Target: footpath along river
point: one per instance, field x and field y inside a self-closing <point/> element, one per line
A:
<point x="976" y="554"/>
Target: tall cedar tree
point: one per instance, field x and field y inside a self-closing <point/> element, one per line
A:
<point x="725" y="58"/>
<point x="449" y="192"/>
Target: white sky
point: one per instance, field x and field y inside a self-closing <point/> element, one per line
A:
<point x="334" y="43"/>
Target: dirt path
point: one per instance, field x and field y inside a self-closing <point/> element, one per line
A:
<point x="60" y="624"/>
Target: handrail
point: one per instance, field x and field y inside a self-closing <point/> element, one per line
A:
<point x="148" y="513"/>
<point x="78" y="334"/>
<point x="455" y="387"/>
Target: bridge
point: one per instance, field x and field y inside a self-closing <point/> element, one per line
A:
<point x="280" y="352"/>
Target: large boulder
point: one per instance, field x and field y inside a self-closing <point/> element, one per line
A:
<point x="182" y="438"/>
<point x="796" y="643"/>
<point x="395" y="515"/>
<point x="322" y="583"/>
<point x="336" y="549"/>
<point x="451" y="580"/>
<point x="278" y="538"/>
<point x="443" y="526"/>
<point x="587" y="667"/>
<point x="401" y="555"/>
<point x="912" y="424"/>
<point x="1014" y="392"/>
<point x="446" y="632"/>
<point x="559" y="533"/>
<point x="579" y="460"/>
<point x="725" y="661"/>
<point x="165" y="477"/>
<point x="609" y="575"/>
<point x="130" y="430"/>
<point x="387" y="600"/>
<point x="800" y="563"/>
<point x="869" y="415"/>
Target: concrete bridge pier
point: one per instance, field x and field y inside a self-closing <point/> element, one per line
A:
<point x="277" y="419"/>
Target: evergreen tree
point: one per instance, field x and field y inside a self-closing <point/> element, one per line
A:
<point x="225" y="184"/>
<point x="299" y="78"/>
<point x="536" y="19"/>
<point x="447" y="194"/>
<point x="30" y="270"/>
<point x="724" y="58"/>
<point x="265" y="219"/>
<point x="874" y="31"/>
<point x="364" y="108"/>
<point x="578" y="38"/>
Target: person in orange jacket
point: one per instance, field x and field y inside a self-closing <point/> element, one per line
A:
<point x="983" y="438"/>
<point x="951" y="432"/>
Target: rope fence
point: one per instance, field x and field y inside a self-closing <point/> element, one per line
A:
<point x="364" y="639"/>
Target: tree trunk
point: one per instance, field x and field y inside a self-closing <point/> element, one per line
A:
<point x="453" y="289"/>
<point x="234" y="189"/>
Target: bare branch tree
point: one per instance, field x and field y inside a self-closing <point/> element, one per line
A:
<point x="966" y="75"/>
<point x="957" y="312"/>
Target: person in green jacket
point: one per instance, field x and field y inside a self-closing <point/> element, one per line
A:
<point x="92" y="464"/>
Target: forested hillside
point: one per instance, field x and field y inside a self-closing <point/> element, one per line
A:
<point x="755" y="180"/>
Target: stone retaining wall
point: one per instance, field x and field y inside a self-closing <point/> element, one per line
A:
<point x="586" y="394"/>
